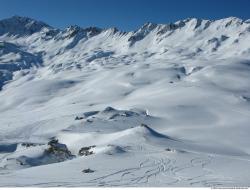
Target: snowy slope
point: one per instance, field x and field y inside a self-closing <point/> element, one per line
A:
<point x="165" y="105"/>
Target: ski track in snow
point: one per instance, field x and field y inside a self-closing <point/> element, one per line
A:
<point x="151" y="168"/>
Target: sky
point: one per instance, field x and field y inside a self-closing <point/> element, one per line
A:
<point x="126" y="15"/>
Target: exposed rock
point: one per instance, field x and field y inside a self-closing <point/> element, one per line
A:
<point x="26" y="144"/>
<point x="109" y="109"/>
<point x="57" y="150"/>
<point x="92" y="31"/>
<point x="88" y="170"/>
<point x="78" y="118"/>
<point x="85" y="151"/>
<point x="90" y="113"/>
<point x="89" y="121"/>
<point x="142" y="32"/>
<point x="168" y="149"/>
<point x="144" y="125"/>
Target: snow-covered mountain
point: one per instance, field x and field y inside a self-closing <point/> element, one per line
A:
<point x="165" y="105"/>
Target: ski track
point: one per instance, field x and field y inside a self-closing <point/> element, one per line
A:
<point x="152" y="167"/>
<point x="168" y="170"/>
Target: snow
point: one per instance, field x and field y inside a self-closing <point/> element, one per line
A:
<point x="165" y="105"/>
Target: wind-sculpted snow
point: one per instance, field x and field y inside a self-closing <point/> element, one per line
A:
<point x="165" y="105"/>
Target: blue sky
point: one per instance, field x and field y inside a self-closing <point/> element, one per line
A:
<point x="124" y="14"/>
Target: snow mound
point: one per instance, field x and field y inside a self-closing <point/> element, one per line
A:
<point x="110" y="120"/>
<point x="29" y="155"/>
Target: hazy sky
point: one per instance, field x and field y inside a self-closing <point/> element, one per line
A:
<point x="124" y="14"/>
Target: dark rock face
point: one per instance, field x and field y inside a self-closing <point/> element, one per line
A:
<point x="109" y="109"/>
<point x="168" y="149"/>
<point x="142" y="32"/>
<point x="86" y="151"/>
<point x="72" y="31"/>
<point x="27" y="144"/>
<point x="93" y="31"/>
<point x="58" y="151"/>
<point x="78" y="118"/>
<point x="88" y="170"/>
<point x="144" y="125"/>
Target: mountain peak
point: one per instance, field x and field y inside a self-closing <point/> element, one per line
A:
<point x="74" y="30"/>
<point x="148" y="25"/>
<point x="17" y="25"/>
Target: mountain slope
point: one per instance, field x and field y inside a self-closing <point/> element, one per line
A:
<point x="179" y="93"/>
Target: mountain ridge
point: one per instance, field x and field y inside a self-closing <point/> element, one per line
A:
<point x="75" y="47"/>
<point x="29" y="21"/>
